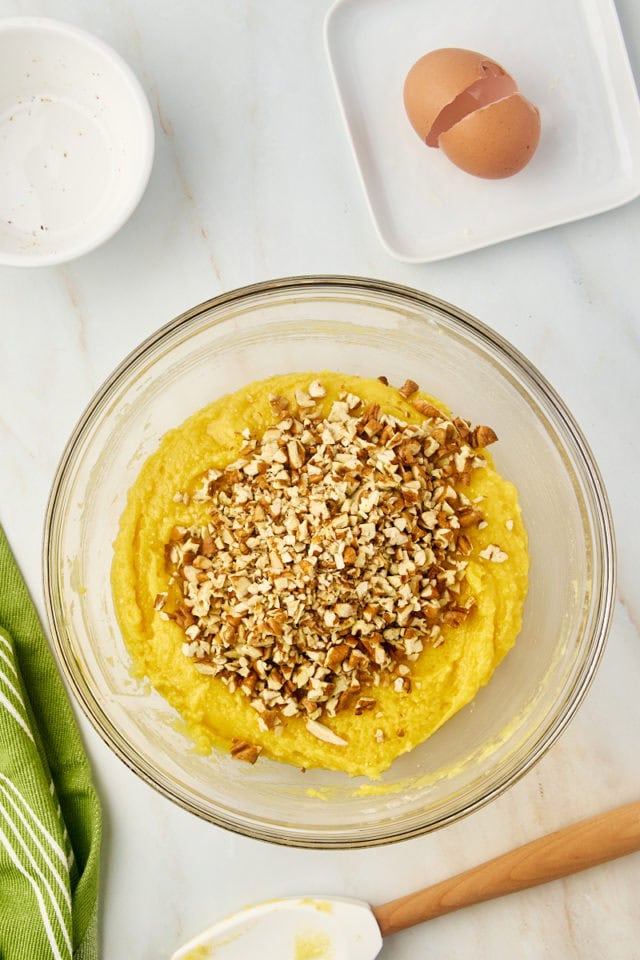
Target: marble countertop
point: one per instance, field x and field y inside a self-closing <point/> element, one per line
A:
<point x="253" y="179"/>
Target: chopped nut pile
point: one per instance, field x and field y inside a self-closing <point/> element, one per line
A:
<point x="335" y="549"/>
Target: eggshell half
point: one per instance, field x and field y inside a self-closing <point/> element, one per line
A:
<point x="438" y="78"/>
<point x="495" y="141"/>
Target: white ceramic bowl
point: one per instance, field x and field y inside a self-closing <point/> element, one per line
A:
<point x="76" y="141"/>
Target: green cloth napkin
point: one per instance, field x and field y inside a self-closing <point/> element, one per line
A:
<point x="50" y="819"/>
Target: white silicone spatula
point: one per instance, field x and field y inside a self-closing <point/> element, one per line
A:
<point x="334" y="928"/>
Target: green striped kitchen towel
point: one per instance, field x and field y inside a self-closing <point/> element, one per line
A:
<point x="50" y="819"/>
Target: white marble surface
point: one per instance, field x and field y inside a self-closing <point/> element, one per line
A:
<point x="253" y="179"/>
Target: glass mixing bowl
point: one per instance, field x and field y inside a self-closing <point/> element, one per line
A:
<point x="370" y="328"/>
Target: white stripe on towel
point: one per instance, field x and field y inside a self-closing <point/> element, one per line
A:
<point x="63" y="923"/>
<point x="57" y="849"/>
<point x="4" y="840"/>
<point x="62" y="879"/>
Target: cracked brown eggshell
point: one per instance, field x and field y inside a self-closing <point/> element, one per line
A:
<point x="470" y="106"/>
<point x="495" y="141"/>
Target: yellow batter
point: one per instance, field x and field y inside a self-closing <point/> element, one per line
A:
<point x="444" y="679"/>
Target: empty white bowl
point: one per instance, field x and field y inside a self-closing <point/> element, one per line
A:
<point x="76" y="141"/>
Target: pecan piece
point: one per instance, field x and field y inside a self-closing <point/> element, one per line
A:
<point x="243" y="750"/>
<point x="426" y="408"/>
<point x="483" y="436"/>
<point x="408" y="388"/>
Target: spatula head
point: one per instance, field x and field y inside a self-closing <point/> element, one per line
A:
<point x="294" y="928"/>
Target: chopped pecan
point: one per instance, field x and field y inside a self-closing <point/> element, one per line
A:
<point x="332" y="554"/>
<point x="243" y="750"/>
<point x="408" y="388"/>
<point x="483" y="436"/>
<point x="427" y="409"/>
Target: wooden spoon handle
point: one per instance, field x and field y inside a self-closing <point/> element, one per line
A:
<point x="578" y="847"/>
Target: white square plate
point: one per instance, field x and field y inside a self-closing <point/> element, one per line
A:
<point x="568" y="58"/>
